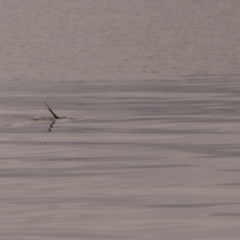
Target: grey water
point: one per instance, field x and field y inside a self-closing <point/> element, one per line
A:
<point x="150" y="145"/>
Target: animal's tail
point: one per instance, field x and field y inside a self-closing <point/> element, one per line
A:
<point x="51" y="111"/>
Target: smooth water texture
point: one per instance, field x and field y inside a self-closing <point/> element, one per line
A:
<point x="149" y="148"/>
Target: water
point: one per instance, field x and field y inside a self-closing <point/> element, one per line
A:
<point x="149" y="148"/>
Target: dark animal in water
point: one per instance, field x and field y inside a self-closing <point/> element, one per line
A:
<point x="51" y="111"/>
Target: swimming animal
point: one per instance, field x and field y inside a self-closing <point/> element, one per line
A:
<point x="51" y="111"/>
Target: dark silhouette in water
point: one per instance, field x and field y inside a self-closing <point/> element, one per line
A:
<point x="51" y="111"/>
<point x="51" y="126"/>
<point x="53" y="120"/>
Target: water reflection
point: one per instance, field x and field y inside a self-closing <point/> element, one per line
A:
<point x="48" y="126"/>
<point x="51" y="126"/>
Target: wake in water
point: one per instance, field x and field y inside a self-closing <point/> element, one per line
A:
<point x="46" y="122"/>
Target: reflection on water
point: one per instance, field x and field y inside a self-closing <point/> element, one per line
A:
<point x="51" y="126"/>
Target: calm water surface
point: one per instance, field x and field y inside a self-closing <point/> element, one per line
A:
<point x="150" y="145"/>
